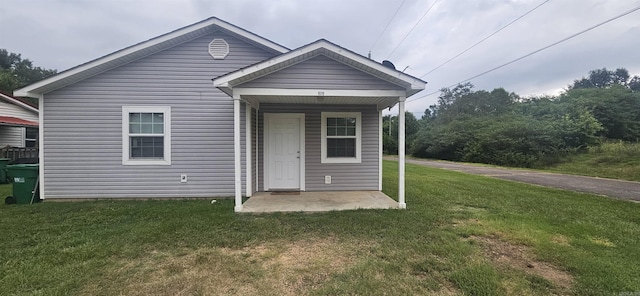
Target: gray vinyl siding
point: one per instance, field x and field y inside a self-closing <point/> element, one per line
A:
<point x="321" y="72"/>
<point x="11" y="136"/>
<point x="83" y="128"/>
<point x="348" y="176"/>
<point x="14" y="136"/>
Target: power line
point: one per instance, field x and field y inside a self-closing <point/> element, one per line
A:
<point x="414" y="26"/>
<point x="485" y="38"/>
<point x="387" y="26"/>
<point x="535" y="51"/>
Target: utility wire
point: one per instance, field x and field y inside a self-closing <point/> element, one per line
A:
<point x="387" y="26"/>
<point x="485" y="38"/>
<point x="535" y="51"/>
<point x="414" y="26"/>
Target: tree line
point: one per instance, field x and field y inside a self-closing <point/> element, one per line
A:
<point x="16" y="72"/>
<point x="502" y="128"/>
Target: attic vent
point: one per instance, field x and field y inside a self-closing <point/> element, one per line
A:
<point x="218" y="49"/>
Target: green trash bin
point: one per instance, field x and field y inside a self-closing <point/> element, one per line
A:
<point x="3" y="172"/>
<point x="24" y="178"/>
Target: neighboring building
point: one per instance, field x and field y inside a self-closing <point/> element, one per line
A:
<point x="148" y="121"/>
<point x="18" y="123"/>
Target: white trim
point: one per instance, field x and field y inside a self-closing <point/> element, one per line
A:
<point x="358" y="137"/>
<point x="166" y="110"/>
<point x="257" y="150"/>
<point x="320" y="46"/>
<point x="28" y="91"/>
<point x="248" y="152"/>
<point x="237" y="158"/>
<point x="317" y="92"/>
<point x="401" y="146"/>
<point x="380" y="121"/>
<point x="41" y="146"/>
<point x="265" y="166"/>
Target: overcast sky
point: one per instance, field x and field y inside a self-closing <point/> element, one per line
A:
<point x="60" y="34"/>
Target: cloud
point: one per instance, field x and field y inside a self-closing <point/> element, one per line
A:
<point x="64" y="33"/>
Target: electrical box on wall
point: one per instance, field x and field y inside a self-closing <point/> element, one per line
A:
<point x="183" y="178"/>
<point x="327" y="179"/>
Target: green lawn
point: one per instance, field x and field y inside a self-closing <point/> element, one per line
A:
<point x="461" y="234"/>
<point x="616" y="160"/>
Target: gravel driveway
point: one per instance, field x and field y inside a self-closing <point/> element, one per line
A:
<point x="626" y="190"/>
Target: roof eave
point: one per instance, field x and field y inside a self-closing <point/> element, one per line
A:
<point x="35" y="90"/>
<point x="410" y="83"/>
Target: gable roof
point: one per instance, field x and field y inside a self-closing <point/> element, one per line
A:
<point x="226" y="82"/>
<point x="141" y="50"/>
<point x="15" y="101"/>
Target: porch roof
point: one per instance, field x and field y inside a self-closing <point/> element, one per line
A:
<point x="17" y="122"/>
<point x="408" y="85"/>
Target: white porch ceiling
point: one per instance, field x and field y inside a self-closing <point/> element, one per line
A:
<point x="381" y="102"/>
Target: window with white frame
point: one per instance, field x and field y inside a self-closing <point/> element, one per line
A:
<point x="31" y="137"/>
<point x="341" y="137"/>
<point x="146" y="135"/>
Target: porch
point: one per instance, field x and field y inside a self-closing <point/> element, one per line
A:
<point x="269" y="202"/>
<point x="313" y="123"/>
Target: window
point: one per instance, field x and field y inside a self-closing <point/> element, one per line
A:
<point x="146" y="135"/>
<point x="31" y="137"/>
<point x="341" y="137"/>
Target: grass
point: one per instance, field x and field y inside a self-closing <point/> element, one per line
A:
<point x="461" y="235"/>
<point x="616" y="160"/>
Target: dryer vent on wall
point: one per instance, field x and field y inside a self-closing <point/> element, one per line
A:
<point x="218" y="49"/>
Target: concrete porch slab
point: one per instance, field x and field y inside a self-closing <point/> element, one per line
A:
<point x="265" y="202"/>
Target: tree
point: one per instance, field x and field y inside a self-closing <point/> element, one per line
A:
<point x="16" y="72"/>
<point x="603" y="78"/>
<point x="390" y="132"/>
<point x="634" y="84"/>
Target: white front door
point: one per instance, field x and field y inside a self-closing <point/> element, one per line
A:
<point x="284" y="150"/>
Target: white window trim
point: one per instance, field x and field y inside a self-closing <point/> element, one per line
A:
<point x="166" y="110"/>
<point x="358" y="158"/>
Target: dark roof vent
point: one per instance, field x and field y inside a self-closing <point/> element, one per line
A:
<point x="388" y="64"/>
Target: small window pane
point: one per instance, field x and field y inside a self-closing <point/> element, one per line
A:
<point x="351" y="131"/>
<point x="351" y="122"/>
<point x="158" y="128"/>
<point x="134" y="117"/>
<point x="331" y="131"/>
<point x="331" y="121"/>
<point x="341" y="131"/>
<point x="340" y="122"/>
<point x="158" y="118"/>
<point x="134" y="128"/>
<point x="146" y="128"/>
<point x="146" y="117"/>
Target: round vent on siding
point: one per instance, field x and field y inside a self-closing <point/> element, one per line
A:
<point x="218" y="49"/>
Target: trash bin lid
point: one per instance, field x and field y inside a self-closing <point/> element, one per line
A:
<point x="23" y="166"/>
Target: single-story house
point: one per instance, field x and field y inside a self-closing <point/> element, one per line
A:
<point x="214" y="110"/>
<point x="18" y="123"/>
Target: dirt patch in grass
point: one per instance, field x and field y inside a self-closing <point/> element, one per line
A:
<point x="292" y="268"/>
<point x="519" y="257"/>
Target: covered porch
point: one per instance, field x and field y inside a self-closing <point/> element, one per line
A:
<point x="310" y="122"/>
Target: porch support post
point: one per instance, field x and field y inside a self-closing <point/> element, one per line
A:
<point x="248" y="152"/>
<point x="401" y="145"/>
<point x="380" y="150"/>
<point x="237" y="152"/>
